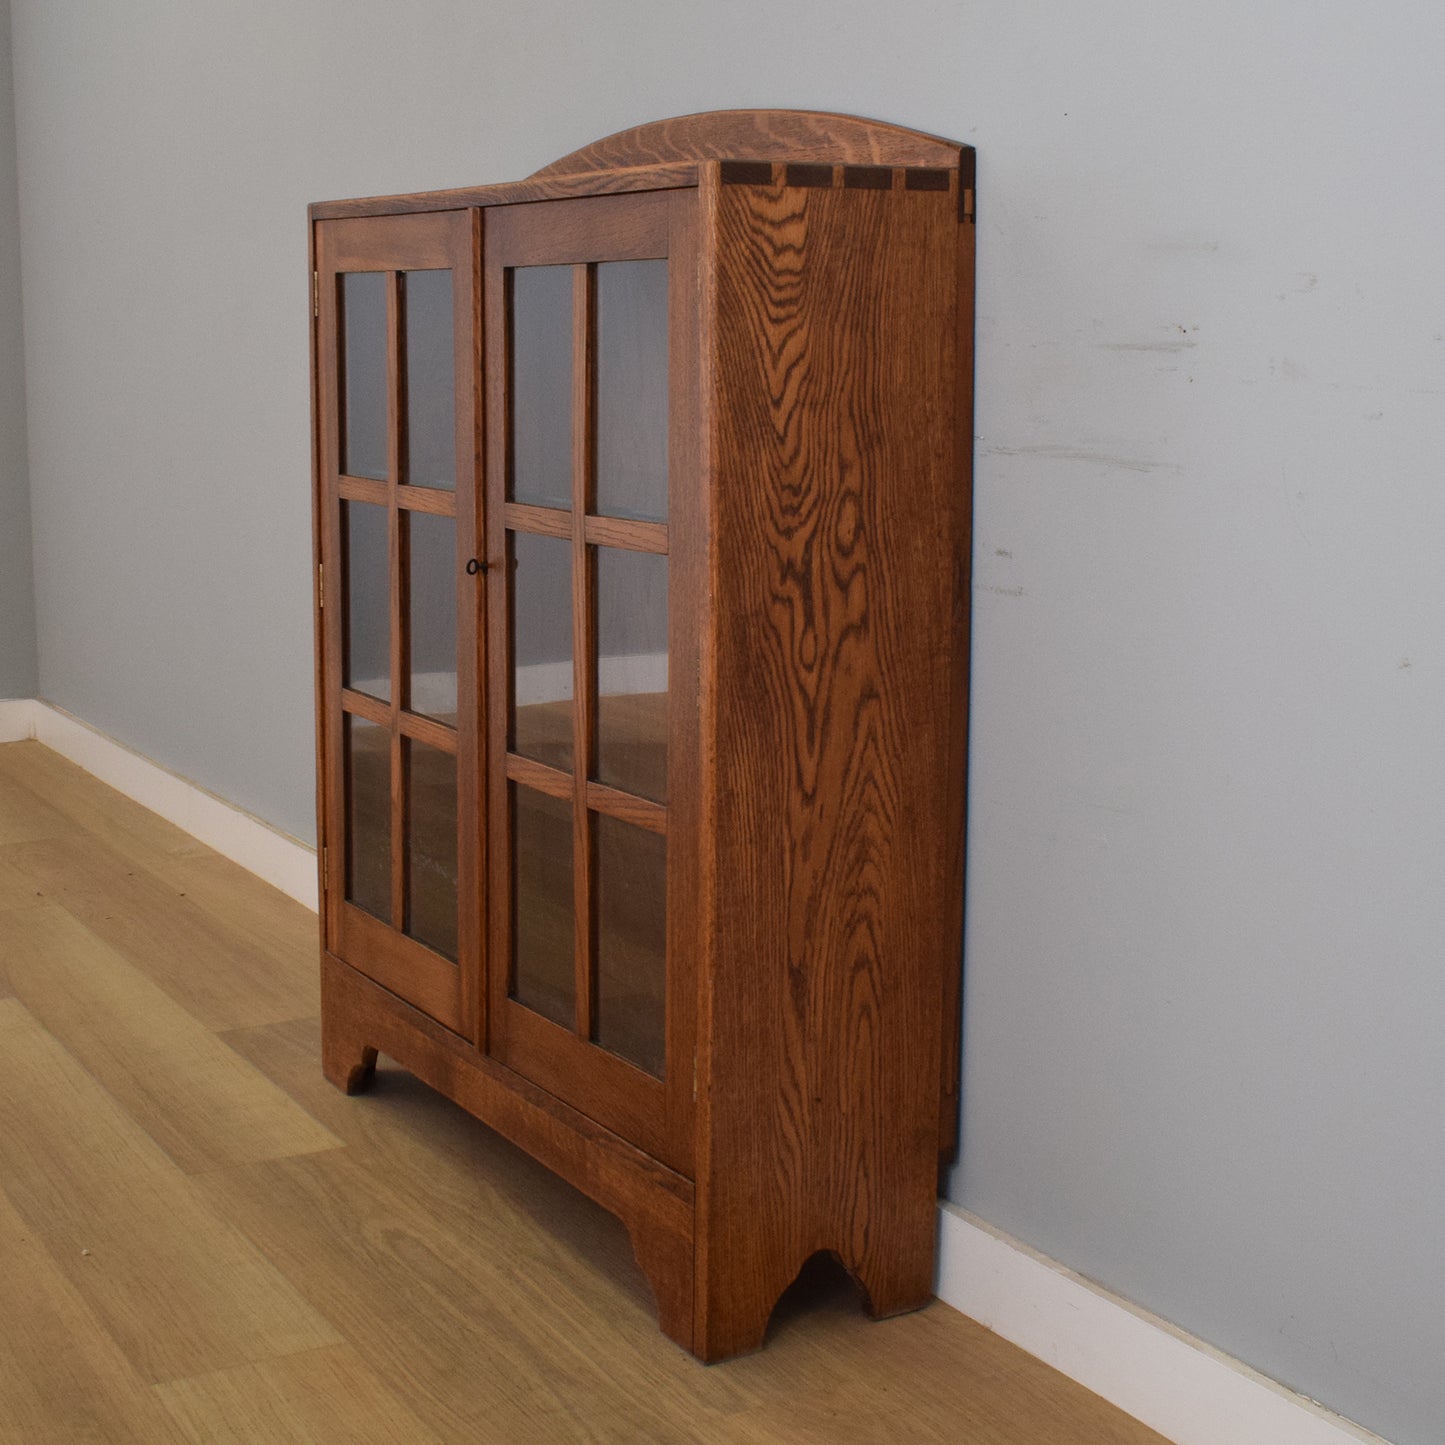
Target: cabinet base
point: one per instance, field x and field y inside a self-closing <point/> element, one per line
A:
<point x="655" y="1204"/>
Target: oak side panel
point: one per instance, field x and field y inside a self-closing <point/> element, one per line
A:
<point x="835" y="545"/>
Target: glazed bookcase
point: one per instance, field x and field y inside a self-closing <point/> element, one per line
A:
<point x="642" y="573"/>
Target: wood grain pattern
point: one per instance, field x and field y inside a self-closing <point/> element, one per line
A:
<point x="188" y="1091"/>
<point x="834" y="333"/>
<point x="25" y="817"/>
<point x="322" y="1397"/>
<point x="222" y="976"/>
<point x="29" y="770"/>
<point x="16" y="891"/>
<point x="63" y="1379"/>
<point x="793" y="135"/>
<point x="126" y="1228"/>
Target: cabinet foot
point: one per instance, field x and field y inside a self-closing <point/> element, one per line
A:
<point x="345" y="1060"/>
<point x="666" y="1261"/>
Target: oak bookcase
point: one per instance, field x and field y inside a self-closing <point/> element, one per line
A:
<point x="642" y="541"/>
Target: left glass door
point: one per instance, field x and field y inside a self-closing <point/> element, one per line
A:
<point x="396" y="303"/>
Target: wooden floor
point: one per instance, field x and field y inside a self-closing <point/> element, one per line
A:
<point x="201" y="1240"/>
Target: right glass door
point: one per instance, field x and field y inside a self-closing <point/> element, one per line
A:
<point x="585" y="995"/>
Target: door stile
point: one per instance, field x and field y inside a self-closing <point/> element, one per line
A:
<point x="584" y="634"/>
<point x="471" y="596"/>
<point x="397" y="568"/>
<point x="690" y="594"/>
<point x="496" y="382"/>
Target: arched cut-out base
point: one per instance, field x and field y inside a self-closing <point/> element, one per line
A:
<point x="824" y="1281"/>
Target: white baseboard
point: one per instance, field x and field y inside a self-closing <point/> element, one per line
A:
<point x="17" y="719"/>
<point x="283" y="861"/>
<point x="1189" y="1392"/>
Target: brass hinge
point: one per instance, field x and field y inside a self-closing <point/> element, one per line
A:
<point x="325" y="865"/>
<point x="316" y="293"/>
<point x="320" y="585"/>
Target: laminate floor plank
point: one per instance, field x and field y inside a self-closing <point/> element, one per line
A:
<point x="25" y="815"/>
<point x="215" y="974"/>
<point x="255" y="912"/>
<point x="441" y="1164"/>
<point x="321" y="1397"/>
<point x="89" y="804"/>
<point x="16" y="890"/>
<point x="475" y="1338"/>
<point x="199" y="1100"/>
<point x="454" y="1169"/>
<point x="179" y="1290"/>
<point x="63" y="1381"/>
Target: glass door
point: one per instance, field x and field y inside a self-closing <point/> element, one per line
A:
<point x="590" y="743"/>
<point x="397" y="468"/>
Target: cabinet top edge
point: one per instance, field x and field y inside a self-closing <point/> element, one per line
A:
<point x="674" y="176"/>
<point x="671" y="154"/>
<point x="820" y="137"/>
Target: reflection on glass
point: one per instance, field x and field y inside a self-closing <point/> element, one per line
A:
<point x="431" y="847"/>
<point x="368" y="816"/>
<point x="631" y="943"/>
<point x="366" y="651"/>
<point x="432" y="611"/>
<point x="542" y="386"/>
<point x="542" y="910"/>
<point x="363" y="374"/>
<point x="632" y="389"/>
<point x="431" y="393"/>
<point x="542" y="649"/>
<point x="632" y="672"/>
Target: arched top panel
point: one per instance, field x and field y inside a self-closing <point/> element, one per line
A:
<point x="759" y="135"/>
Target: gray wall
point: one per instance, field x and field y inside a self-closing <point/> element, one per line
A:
<point x="17" y="606"/>
<point x="1205" y="917"/>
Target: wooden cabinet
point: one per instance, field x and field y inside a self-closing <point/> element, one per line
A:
<point x="642" y="518"/>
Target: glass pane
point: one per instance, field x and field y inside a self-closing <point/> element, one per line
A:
<point x="542" y="911"/>
<point x="542" y="649"/>
<point x="542" y="386"/>
<point x="433" y="615"/>
<point x="632" y="672"/>
<point x="431" y="391"/>
<point x="631" y="942"/>
<point x="363" y="374"/>
<point x="632" y="389"/>
<point x="368" y="816"/>
<point x="431" y="847"/>
<point x="366" y="651"/>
